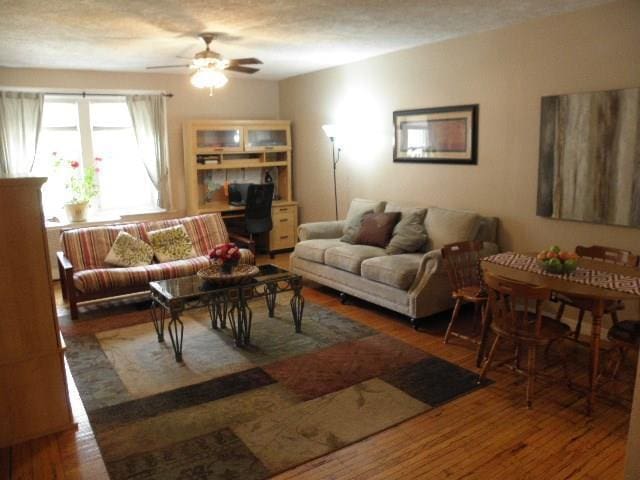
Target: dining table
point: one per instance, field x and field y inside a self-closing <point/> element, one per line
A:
<point x="608" y="282"/>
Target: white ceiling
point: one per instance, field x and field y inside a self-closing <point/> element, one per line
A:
<point x="290" y="37"/>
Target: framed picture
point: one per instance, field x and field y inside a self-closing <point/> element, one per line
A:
<point x="437" y="135"/>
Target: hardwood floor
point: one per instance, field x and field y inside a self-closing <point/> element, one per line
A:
<point x="484" y="435"/>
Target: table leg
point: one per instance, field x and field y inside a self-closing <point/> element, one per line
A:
<point x="484" y="334"/>
<point x="297" y="307"/>
<point x="271" y="299"/>
<point x="158" y="315"/>
<point x="176" y="333"/>
<point x="596" y="326"/>
<point x="240" y="317"/>
<point x="218" y="314"/>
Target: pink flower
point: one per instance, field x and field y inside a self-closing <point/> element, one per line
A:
<point x="74" y="164"/>
<point x="97" y="170"/>
<point x="97" y="159"/>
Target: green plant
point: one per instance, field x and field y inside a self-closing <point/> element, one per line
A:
<point x="81" y="184"/>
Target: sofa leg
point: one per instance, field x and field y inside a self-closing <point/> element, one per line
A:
<point x="414" y="322"/>
<point x="343" y="298"/>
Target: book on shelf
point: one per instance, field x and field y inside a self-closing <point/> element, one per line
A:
<point x="208" y="159"/>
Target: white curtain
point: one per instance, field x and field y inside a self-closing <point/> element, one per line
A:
<point x="20" y="122"/>
<point x="148" y="114"/>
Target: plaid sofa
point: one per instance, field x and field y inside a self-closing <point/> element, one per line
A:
<point x="85" y="276"/>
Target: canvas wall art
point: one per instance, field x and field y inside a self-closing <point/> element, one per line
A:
<point x="589" y="164"/>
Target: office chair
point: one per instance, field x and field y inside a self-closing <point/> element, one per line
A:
<point x="257" y="212"/>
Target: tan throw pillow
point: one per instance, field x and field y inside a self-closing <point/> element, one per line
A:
<point x="409" y="234"/>
<point x="450" y="226"/>
<point x="352" y="226"/>
<point x="376" y="229"/>
<point x="129" y="251"/>
<point x="171" y="243"/>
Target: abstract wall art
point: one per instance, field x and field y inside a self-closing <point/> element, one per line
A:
<point x="589" y="159"/>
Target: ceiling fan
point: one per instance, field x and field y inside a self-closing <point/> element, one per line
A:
<point x="209" y="66"/>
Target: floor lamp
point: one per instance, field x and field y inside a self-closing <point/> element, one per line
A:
<point x="331" y="131"/>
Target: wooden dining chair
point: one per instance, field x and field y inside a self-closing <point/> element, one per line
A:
<point x="603" y="254"/>
<point x="516" y="316"/>
<point x="624" y="336"/>
<point x="462" y="261"/>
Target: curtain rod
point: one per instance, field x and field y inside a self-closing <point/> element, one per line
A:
<point x="85" y="94"/>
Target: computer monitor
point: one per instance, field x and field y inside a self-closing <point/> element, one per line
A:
<point x="238" y="193"/>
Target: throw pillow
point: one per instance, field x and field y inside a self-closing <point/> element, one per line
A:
<point x="171" y="243"/>
<point x="376" y="229"/>
<point x="450" y="226"/>
<point x="129" y="251"/>
<point x="409" y="234"/>
<point x="352" y="225"/>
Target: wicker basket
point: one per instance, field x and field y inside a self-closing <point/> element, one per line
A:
<point x="241" y="274"/>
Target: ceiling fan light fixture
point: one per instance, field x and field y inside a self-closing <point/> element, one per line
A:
<point x="208" y="78"/>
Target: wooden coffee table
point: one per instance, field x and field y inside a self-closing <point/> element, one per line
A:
<point x="174" y="296"/>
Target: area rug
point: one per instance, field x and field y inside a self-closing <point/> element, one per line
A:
<point x="230" y="413"/>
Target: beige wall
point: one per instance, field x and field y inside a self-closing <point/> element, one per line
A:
<point x="239" y="99"/>
<point x="506" y="72"/>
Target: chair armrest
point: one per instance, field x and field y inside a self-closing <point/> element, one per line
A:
<point x="309" y="231"/>
<point x="63" y="263"/>
<point x="243" y="241"/>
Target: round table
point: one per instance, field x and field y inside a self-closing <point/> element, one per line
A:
<point x="598" y="297"/>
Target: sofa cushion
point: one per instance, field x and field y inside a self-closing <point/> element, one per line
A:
<point x="397" y="271"/>
<point x="100" y="279"/>
<point x="376" y="229"/>
<point x="450" y="226"/>
<point x="172" y="243"/>
<point x="205" y="231"/>
<point x="358" y="208"/>
<point x="313" y="250"/>
<point x="128" y="251"/>
<point x="87" y="248"/>
<point x="349" y="257"/>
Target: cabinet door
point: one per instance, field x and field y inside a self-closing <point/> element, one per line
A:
<point x="266" y="138"/>
<point x="218" y="139"/>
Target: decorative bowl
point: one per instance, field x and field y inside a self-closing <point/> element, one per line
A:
<point x="214" y="274"/>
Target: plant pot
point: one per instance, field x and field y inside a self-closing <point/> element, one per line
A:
<point x="76" y="212"/>
<point x="228" y="266"/>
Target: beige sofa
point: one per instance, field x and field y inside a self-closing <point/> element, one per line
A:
<point x="414" y="284"/>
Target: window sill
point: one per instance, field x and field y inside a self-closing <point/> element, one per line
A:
<point x="107" y="218"/>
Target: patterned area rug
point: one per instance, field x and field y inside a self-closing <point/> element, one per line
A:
<point x="232" y="413"/>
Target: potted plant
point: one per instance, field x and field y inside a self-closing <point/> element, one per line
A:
<point x="81" y="186"/>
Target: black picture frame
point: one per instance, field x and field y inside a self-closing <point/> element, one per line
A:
<point x="460" y="147"/>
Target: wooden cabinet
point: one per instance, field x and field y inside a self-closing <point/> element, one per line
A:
<point x="285" y="224"/>
<point x="219" y="152"/>
<point x="34" y="400"/>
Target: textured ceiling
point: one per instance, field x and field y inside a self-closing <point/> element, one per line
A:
<point x="290" y="37"/>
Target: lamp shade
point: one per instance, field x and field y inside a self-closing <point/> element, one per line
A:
<point x="330" y="130"/>
<point x="208" y="78"/>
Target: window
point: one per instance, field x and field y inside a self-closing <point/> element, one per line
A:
<point x="83" y="129"/>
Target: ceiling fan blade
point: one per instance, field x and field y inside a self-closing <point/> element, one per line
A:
<point x="242" y="69"/>
<point x="168" y="66"/>
<point x="244" y="61"/>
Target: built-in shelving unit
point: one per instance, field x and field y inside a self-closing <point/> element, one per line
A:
<point x="219" y="152"/>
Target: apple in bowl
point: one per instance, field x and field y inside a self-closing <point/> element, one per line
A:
<point x="558" y="261"/>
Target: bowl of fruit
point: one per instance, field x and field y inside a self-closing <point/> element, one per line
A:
<point x="555" y="260"/>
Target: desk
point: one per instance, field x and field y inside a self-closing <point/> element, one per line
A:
<point x="283" y="212"/>
<point x="596" y="295"/>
